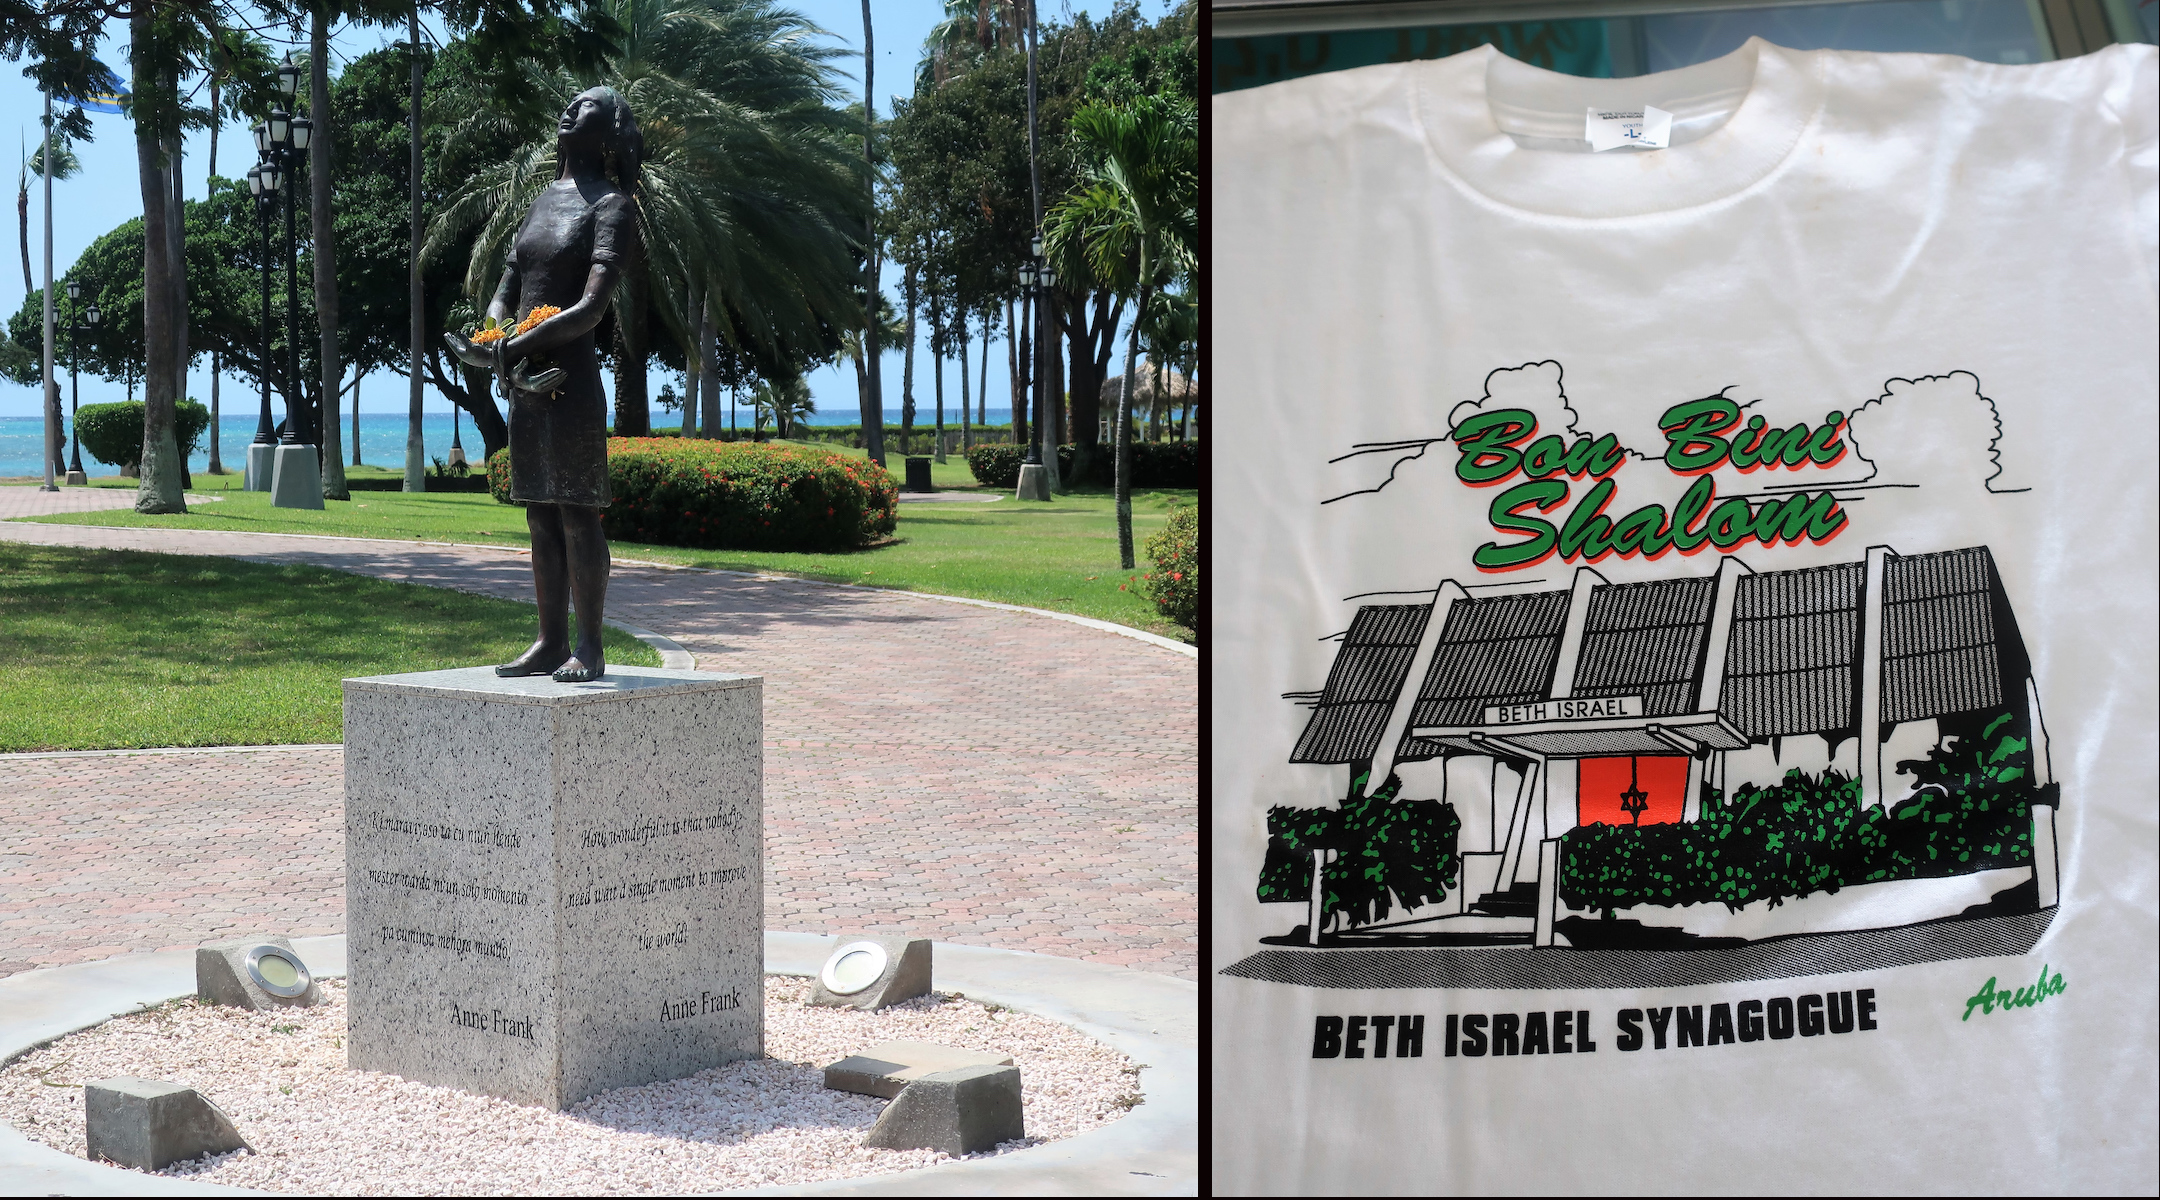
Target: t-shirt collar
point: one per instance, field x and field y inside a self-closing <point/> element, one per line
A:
<point x="1471" y="103"/>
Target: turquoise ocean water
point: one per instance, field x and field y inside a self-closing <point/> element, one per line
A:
<point x="382" y="438"/>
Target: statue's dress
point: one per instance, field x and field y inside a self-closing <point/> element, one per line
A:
<point x="558" y="444"/>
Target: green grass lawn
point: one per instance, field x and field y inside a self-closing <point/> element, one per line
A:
<point x="1061" y="556"/>
<point x="112" y="648"/>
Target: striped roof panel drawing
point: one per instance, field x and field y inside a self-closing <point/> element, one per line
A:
<point x="1790" y="666"/>
<point x="1498" y="650"/>
<point x="1949" y="644"/>
<point x="1362" y="686"/>
<point x="1646" y="639"/>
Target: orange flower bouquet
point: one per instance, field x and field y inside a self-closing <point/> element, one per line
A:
<point x="492" y="330"/>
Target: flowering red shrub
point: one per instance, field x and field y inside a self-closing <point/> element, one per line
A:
<point x="736" y="495"/>
<point x="1174" y="584"/>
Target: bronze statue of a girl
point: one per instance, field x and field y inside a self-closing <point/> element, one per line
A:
<point x="576" y="242"/>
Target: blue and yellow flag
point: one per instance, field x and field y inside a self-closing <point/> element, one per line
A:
<point x="105" y="101"/>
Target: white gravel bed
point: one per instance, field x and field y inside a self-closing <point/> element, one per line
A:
<point x="320" y="1128"/>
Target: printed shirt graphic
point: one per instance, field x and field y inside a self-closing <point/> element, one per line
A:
<point x="1684" y="683"/>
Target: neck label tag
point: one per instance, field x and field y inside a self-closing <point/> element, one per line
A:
<point x="1608" y="129"/>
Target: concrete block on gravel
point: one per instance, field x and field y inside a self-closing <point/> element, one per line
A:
<point x="954" y="1112"/>
<point x="149" y="1124"/>
<point x="886" y="1068"/>
<point x="906" y="975"/>
<point x="221" y="976"/>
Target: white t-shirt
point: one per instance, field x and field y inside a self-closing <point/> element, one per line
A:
<point x="1698" y="605"/>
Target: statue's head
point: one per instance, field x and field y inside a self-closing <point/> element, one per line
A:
<point x="599" y="119"/>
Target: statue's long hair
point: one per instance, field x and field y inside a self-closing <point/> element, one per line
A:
<point x="622" y="144"/>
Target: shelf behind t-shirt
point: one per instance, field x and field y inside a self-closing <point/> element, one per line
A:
<point x="1266" y="41"/>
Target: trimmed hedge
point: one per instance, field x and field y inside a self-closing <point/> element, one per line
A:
<point x="736" y="495"/>
<point x="1808" y="833"/>
<point x="1154" y="465"/>
<point x="1174" y="584"/>
<point x="997" y="464"/>
<point x="1388" y="852"/>
<point x="113" y="433"/>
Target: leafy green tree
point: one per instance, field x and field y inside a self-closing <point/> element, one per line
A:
<point x="959" y="153"/>
<point x="748" y="187"/>
<point x="224" y="261"/>
<point x="1135" y="224"/>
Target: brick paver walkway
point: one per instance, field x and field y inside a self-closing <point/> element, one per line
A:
<point x="970" y="774"/>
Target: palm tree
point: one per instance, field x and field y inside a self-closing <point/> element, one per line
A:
<point x="890" y="331"/>
<point x="873" y="400"/>
<point x="786" y="403"/>
<point x="65" y="166"/>
<point x="970" y="30"/>
<point x="1135" y="223"/>
<point x="748" y="189"/>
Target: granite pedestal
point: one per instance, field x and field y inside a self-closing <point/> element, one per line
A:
<point x="553" y="889"/>
<point x="296" y="477"/>
<point x="259" y="456"/>
<point x="1034" y="482"/>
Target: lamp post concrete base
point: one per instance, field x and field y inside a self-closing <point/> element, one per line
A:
<point x="296" y="478"/>
<point x="258" y="466"/>
<point x="77" y="479"/>
<point x="1034" y="482"/>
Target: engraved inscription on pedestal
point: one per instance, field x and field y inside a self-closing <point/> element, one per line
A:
<point x="553" y="889"/>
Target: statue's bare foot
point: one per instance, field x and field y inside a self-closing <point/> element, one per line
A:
<point x="584" y="666"/>
<point x="541" y="659"/>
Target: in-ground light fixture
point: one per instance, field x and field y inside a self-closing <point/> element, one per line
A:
<point x="278" y="971"/>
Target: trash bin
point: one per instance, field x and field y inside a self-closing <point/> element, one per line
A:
<point x="918" y="475"/>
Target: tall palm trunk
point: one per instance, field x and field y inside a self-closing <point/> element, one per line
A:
<point x="320" y="213"/>
<point x="217" y="463"/>
<point x="176" y="228"/>
<point x="963" y="394"/>
<point x="694" y="368"/>
<point x="415" y="295"/>
<point x="159" y="489"/>
<point x="982" y="378"/>
<point x="1123" y="480"/>
<point x="907" y="362"/>
<point x="709" y="354"/>
<point x="938" y="337"/>
<point x="1016" y="336"/>
<point x="873" y="399"/>
<point x="1155" y="397"/>
<point x="633" y="410"/>
<point x="22" y="213"/>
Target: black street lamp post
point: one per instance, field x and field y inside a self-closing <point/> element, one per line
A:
<point x="77" y="323"/>
<point x="1027" y="355"/>
<point x="263" y="181"/>
<point x="1036" y="280"/>
<point x="289" y="140"/>
<point x="283" y="141"/>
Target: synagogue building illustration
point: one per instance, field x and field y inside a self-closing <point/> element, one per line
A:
<point x="1564" y="724"/>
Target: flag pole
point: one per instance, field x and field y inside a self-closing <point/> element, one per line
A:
<point x="52" y="397"/>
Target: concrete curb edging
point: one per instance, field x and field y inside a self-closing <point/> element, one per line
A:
<point x="672" y="656"/>
<point x="763" y="576"/>
<point x="1153" y="1019"/>
<point x="170" y="750"/>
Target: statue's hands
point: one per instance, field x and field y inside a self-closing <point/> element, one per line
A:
<point x="543" y="381"/>
<point x="469" y="354"/>
<point x="523" y="375"/>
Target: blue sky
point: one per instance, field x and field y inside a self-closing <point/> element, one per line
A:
<point x="106" y="194"/>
